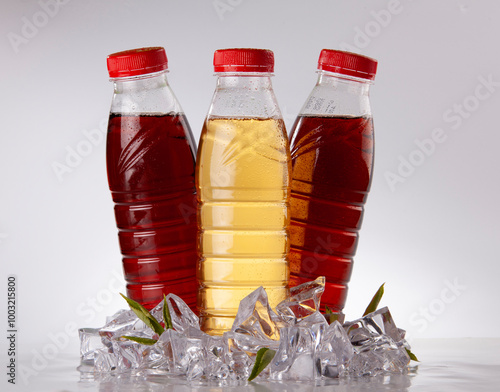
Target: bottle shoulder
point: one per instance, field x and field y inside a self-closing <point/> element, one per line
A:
<point x="244" y="97"/>
<point x="145" y="98"/>
<point x="342" y="99"/>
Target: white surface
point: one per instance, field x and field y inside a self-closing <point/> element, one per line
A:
<point x="437" y="227"/>
<point x="447" y="365"/>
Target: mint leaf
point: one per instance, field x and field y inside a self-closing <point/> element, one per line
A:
<point x="372" y="307"/>
<point x="264" y="357"/>
<point x="166" y="314"/>
<point x="411" y="355"/>
<point x="331" y="315"/>
<point x="144" y="315"/>
<point x="146" y="341"/>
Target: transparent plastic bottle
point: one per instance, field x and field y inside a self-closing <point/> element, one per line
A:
<point x="243" y="186"/>
<point x="150" y="162"/>
<point x="332" y="160"/>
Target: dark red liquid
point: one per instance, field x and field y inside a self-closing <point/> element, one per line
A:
<point x="332" y="159"/>
<point x="150" y="162"/>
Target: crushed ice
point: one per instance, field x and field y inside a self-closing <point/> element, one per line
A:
<point x="307" y="347"/>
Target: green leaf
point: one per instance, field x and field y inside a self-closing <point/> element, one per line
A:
<point x="264" y="357"/>
<point x="412" y="356"/>
<point x="146" y="341"/>
<point x="331" y="315"/>
<point x="372" y="307"/>
<point x="144" y="315"/>
<point x="166" y="314"/>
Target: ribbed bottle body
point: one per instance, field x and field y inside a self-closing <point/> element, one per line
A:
<point x="243" y="187"/>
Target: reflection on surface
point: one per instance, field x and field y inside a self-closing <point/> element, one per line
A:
<point x="159" y="383"/>
<point x="447" y="365"/>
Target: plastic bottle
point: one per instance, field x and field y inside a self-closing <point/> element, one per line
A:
<point x="243" y="185"/>
<point x="150" y="162"/>
<point x="332" y="160"/>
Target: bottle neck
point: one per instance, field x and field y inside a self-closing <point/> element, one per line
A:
<point x="338" y="95"/>
<point x="248" y="95"/>
<point x="244" y="80"/>
<point x="144" y="94"/>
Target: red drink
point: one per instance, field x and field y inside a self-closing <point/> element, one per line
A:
<point x="150" y="163"/>
<point x="332" y="159"/>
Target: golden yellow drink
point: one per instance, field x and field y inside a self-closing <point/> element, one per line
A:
<point x="242" y="177"/>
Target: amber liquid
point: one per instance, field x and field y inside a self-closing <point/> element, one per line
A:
<point x="243" y="170"/>
<point x="150" y="162"/>
<point x="332" y="159"/>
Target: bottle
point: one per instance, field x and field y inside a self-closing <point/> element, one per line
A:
<point x="332" y="161"/>
<point x="243" y="185"/>
<point x="150" y="163"/>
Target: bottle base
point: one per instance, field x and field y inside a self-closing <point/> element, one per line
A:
<point x="216" y="325"/>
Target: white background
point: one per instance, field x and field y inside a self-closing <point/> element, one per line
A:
<point x="436" y="227"/>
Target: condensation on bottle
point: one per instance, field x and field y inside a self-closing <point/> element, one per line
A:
<point x="332" y="163"/>
<point x="243" y="186"/>
<point x="150" y="163"/>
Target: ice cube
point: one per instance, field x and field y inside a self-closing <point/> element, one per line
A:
<point x="122" y="323"/>
<point x="160" y="356"/>
<point x="156" y="357"/>
<point x="218" y="370"/>
<point x="297" y="347"/>
<point x="334" y="352"/>
<point x="304" y="300"/>
<point x="213" y="345"/>
<point x="379" y="346"/>
<point x="181" y="315"/>
<point x="302" y="368"/>
<point x="105" y="361"/>
<point x="90" y="341"/>
<point x="315" y="318"/>
<point x="376" y="323"/>
<point x="316" y="324"/>
<point x="128" y="353"/>
<point x="215" y="367"/>
<point x="381" y="355"/>
<point x="240" y="366"/>
<point x="235" y="352"/>
<point x="247" y="343"/>
<point x="187" y="352"/>
<point x="116" y="315"/>
<point x="256" y="318"/>
<point x="393" y="357"/>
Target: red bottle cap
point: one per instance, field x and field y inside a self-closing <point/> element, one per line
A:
<point x="347" y="63"/>
<point x="243" y="60"/>
<point x="137" y="62"/>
